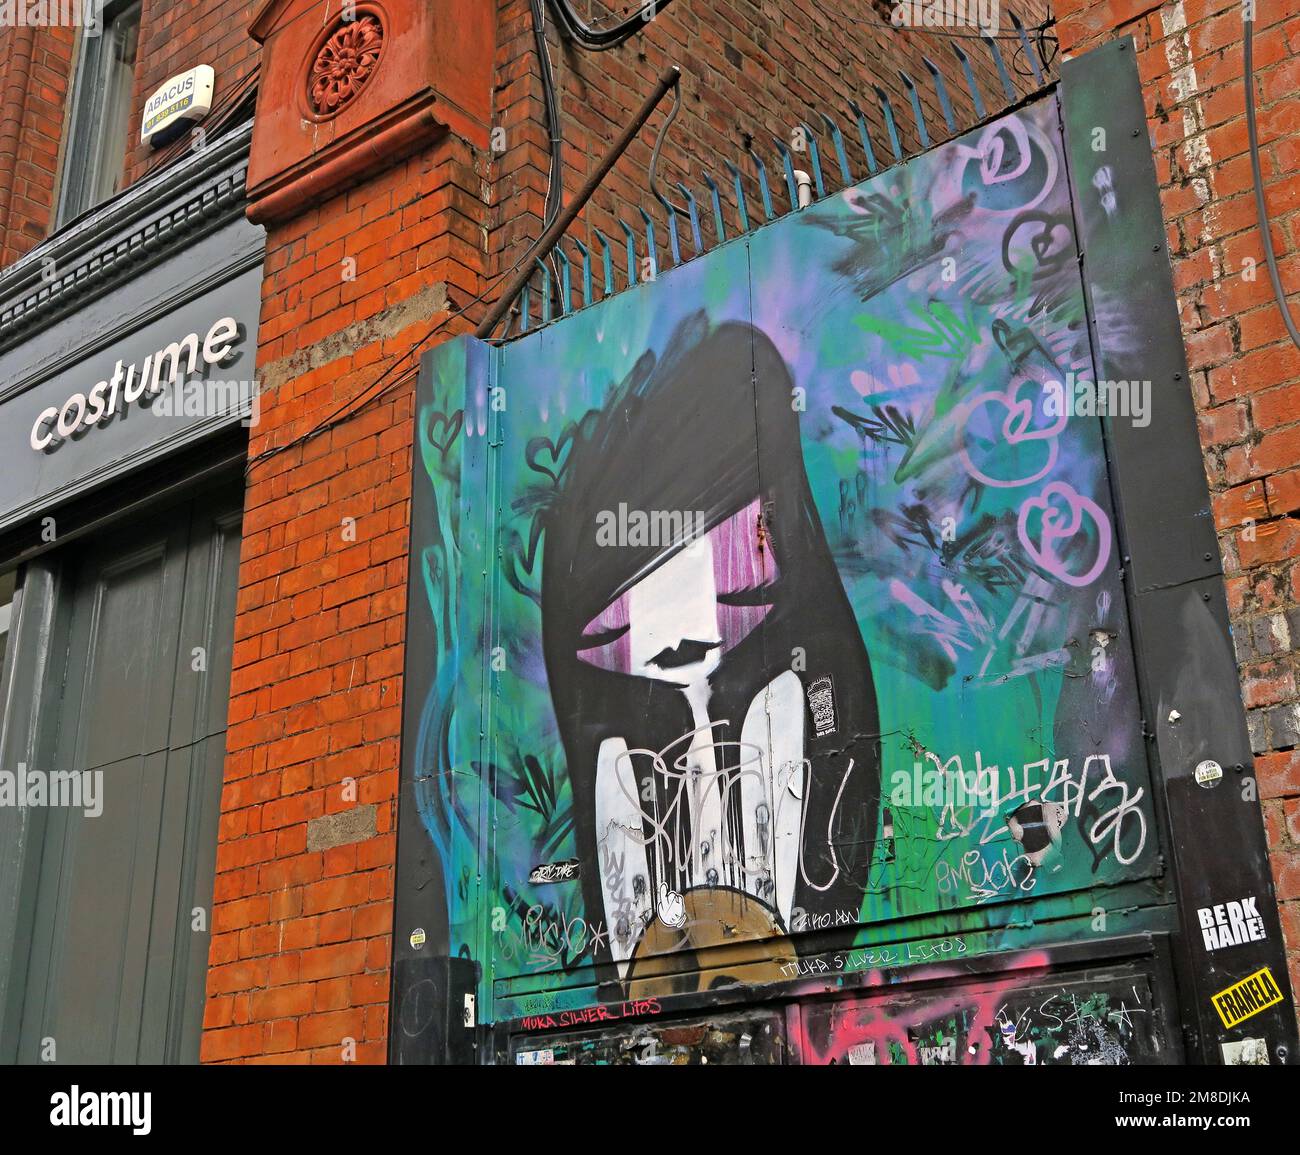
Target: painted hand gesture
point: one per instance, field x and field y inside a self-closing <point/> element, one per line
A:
<point x="672" y="907"/>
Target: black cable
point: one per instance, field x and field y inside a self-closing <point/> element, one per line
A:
<point x="602" y="39"/>
<point x="1266" y="235"/>
<point x="555" y="185"/>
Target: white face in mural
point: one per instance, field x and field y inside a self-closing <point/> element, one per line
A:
<point x="673" y="618"/>
<point x="676" y="623"/>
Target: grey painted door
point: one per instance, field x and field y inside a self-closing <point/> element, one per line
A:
<point x="118" y="955"/>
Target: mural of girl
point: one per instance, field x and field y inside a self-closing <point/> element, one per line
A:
<point x="712" y="690"/>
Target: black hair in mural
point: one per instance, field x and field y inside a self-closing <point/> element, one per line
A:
<point x="691" y="607"/>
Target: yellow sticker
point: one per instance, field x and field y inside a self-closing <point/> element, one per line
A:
<point x="1248" y="997"/>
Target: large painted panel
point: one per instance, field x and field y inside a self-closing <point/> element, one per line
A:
<point x="775" y="607"/>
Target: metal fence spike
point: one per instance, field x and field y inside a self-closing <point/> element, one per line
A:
<point x="545" y="290"/>
<point x="865" y="136"/>
<point x="887" y="109"/>
<point x="941" y="90"/>
<point x="914" y="97"/>
<point x="814" y="154"/>
<point x="608" y="260"/>
<point x="970" y="80"/>
<point x="566" y="298"/>
<point x="1007" y="87"/>
<point x="674" y="246"/>
<point x="717" y="207"/>
<point x="586" y="271"/>
<point x="631" y="251"/>
<point x="1030" y="54"/>
<point x="764" y="189"/>
<point x="740" y="196"/>
<point x="651" y="248"/>
<point x="841" y="157"/>
<point x="696" y="238"/>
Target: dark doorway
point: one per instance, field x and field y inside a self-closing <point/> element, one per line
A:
<point x="121" y="900"/>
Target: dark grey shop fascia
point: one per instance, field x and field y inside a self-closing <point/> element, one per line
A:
<point x="161" y="284"/>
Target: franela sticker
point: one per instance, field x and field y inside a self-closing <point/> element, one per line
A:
<point x="1248" y="997"/>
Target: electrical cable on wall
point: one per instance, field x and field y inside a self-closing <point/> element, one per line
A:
<point x="555" y="179"/>
<point x="602" y="39"/>
<point x="1261" y="206"/>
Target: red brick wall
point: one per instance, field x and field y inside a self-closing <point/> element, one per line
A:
<point x="303" y="905"/>
<point x="34" y="69"/>
<point x="1245" y="370"/>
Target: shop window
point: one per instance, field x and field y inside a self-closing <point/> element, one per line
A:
<point x="95" y="153"/>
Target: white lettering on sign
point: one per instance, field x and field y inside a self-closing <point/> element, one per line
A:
<point x="162" y="369"/>
<point x="184" y="97"/>
<point x="1230" y="924"/>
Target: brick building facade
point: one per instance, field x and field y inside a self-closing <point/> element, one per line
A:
<point x="372" y="254"/>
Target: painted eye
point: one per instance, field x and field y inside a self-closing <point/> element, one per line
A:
<point x="594" y="640"/>
<point x="763" y="594"/>
<point x="605" y="642"/>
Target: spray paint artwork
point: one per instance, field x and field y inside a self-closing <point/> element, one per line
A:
<point x="778" y="600"/>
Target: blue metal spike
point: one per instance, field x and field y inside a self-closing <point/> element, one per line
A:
<point x="837" y="139"/>
<point x="917" y="114"/>
<point x="890" y="125"/>
<point x="740" y="196"/>
<point x="717" y="206"/>
<point x="787" y="163"/>
<point x="631" y="252"/>
<point x="992" y="46"/>
<point x="650" y="242"/>
<point x="586" y="271"/>
<point x="673" y="246"/>
<point x="696" y="239"/>
<point x="566" y="297"/>
<point x="970" y="80"/>
<point x="546" y="290"/>
<point x="608" y="263"/>
<point x="1030" y="54"/>
<point x="765" y="190"/>
<point x="815" y="155"/>
<point x="944" y="103"/>
<point x="524" y="305"/>
<point x="858" y="115"/>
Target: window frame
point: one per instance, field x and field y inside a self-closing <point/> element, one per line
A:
<point x="82" y="155"/>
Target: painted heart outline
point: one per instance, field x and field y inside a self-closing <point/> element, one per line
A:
<point x="442" y="429"/>
<point x="542" y="450"/>
<point x="1016" y="429"/>
<point x="1060" y="527"/>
